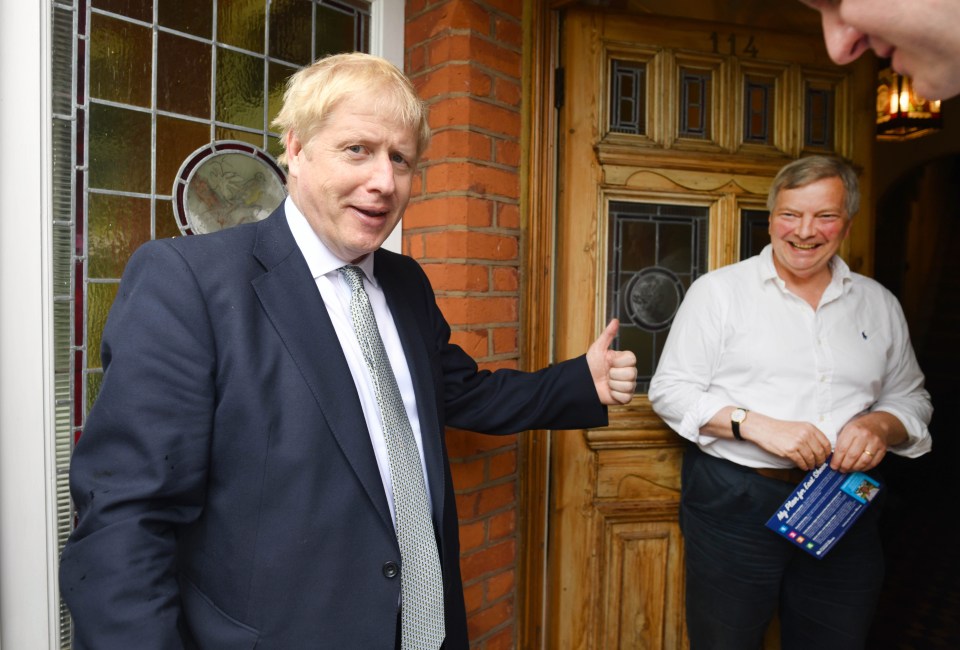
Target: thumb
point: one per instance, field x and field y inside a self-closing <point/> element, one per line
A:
<point x="605" y="340"/>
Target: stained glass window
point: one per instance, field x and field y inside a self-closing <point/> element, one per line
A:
<point x="758" y="104"/>
<point x="818" y="117"/>
<point x="655" y="253"/>
<point x="695" y="89"/>
<point x="754" y="232"/>
<point x="628" y="97"/>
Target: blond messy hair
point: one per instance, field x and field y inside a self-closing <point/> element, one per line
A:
<point x="314" y="91"/>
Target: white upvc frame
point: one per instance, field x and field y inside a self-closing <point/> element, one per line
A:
<point x="29" y="594"/>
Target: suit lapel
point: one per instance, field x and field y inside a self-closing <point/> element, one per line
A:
<point x="291" y="301"/>
<point x="399" y="288"/>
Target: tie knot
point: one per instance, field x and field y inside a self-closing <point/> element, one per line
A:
<point x="353" y="275"/>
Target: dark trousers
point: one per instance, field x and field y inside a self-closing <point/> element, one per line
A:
<point x="739" y="573"/>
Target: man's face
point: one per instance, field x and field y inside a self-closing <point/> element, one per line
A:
<point x="807" y="226"/>
<point x="920" y="38"/>
<point x="352" y="179"/>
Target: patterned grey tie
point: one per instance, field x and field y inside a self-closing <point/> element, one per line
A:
<point x="421" y="581"/>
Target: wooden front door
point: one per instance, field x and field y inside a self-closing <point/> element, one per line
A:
<point x="669" y="131"/>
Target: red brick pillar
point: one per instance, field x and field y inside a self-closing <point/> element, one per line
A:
<point x="463" y="225"/>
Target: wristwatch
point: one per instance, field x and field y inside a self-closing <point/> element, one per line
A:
<point x="738" y="416"/>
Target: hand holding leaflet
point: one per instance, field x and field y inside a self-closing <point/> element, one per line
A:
<point x="823" y="507"/>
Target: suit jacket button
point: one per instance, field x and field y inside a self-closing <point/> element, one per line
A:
<point x="391" y="570"/>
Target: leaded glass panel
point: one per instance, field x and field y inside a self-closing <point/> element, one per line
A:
<point x="193" y="17"/>
<point x="137" y="9"/>
<point x="695" y="89"/>
<point x="655" y="252"/>
<point x="290" y="31"/>
<point x="239" y="89"/>
<point x="183" y="75"/>
<point x="120" y="152"/>
<point x="121" y="57"/>
<point x="117" y="226"/>
<point x="242" y="23"/>
<point x="758" y="110"/>
<point x="818" y="117"/>
<point x="176" y="140"/>
<point x="754" y="232"/>
<point x="628" y="96"/>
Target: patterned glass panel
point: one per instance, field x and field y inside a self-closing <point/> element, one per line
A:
<point x="628" y="97"/>
<point x="166" y="221"/>
<point x="290" y="31"/>
<point x="656" y="252"/>
<point x="277" y="75"/>
<point x="695" y="89"/>
<point x="138" y="9"/>
<point x="224" y="133"/>
<point x="758" y="110"/>
<point x="336" y="31"/>
<point x="239" y="89"/>
<point x="100" y="296"/>
<point x="242" y="23"/>
<point x="754" y="232"/>
<point x="119" y="149"/>
<point x="176" y="140"/>
<point x="189" y="16"/>
<point x="183" y="75"/>
<point x="118" y="225"/>
<point x="121" y="56"/>
<point x="818" y="117"/>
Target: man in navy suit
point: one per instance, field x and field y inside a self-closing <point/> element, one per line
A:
<point x="232" y="481"/>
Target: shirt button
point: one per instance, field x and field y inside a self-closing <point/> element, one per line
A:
<point x="391" y="570"/>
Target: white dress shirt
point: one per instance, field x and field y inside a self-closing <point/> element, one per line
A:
<point x="336" y="292"/>
<point x="741" y="338"/>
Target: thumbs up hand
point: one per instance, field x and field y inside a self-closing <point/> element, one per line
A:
<point x="614" y="372"/>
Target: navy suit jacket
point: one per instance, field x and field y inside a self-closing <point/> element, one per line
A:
<point x="227" y="491"/>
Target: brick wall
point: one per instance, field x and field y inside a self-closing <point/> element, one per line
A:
<point x="463" y="225"/>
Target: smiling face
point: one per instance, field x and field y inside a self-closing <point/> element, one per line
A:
<point x="807" y="226"/>
<point x="919" y="37"/>
<point x="352" y="179"/>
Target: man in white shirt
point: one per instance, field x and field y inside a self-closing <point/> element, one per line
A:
<point x="771" y="366"/>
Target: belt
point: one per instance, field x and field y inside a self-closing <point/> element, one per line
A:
<point x="788" y="475"/>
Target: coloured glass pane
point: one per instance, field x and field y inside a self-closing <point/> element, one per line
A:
<point x="242" y="23"/>
<point x="277" y="75"/>
<point x="119" y="149"/>
<point x="189" y="16"/>
<point x="754" y="232"/>
<point x="274" y="146"/>
<point x="628" y="97"/>
<point x="695" y="89"/>
<point x="117" y="226"/>
<point x="758" y="110"/>
<point x="183" y="75"/>
<point x="166" y="220"/>
<point x="94" y="382"/>
<point x="223" y="133"/>
<point x="818" y="117"/>
<point x="121" y="55"/>
<point x="290" y="31"/>
<point x="100" y="296"/>
<point x="239" y="89"/>
<point x="176" y="140"/>
<point x="139" y="9"/>
<point x="336" y="31"/>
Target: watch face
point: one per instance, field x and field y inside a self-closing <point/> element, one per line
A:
<point x="738" y="415"/>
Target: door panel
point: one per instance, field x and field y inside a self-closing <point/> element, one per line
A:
<point x="670" y="133"/>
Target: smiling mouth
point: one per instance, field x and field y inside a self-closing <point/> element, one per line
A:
<point x="804" y="247"/>
<point x="372" y="213"/>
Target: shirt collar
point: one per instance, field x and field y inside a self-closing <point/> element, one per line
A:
<point x="319" y="258"/>
<point x="840" y="275"/>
